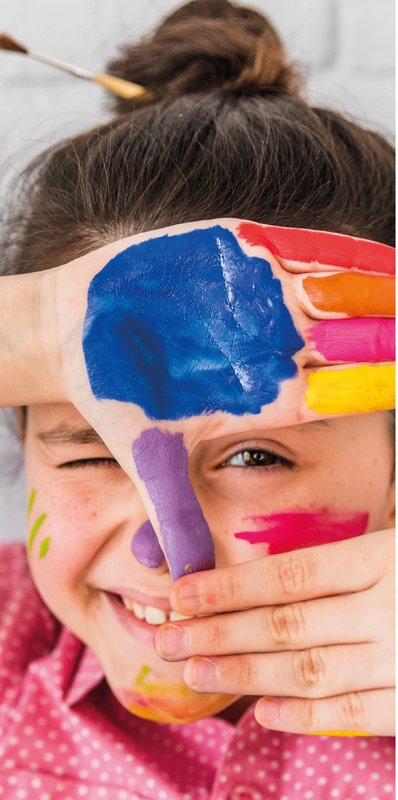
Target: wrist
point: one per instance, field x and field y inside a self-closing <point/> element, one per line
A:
<point x="29" y="353"/>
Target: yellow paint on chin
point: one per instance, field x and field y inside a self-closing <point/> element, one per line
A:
<point x="173" y="703"/>
<point x="352" y="390"/>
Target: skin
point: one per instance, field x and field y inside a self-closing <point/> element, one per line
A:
<point x="93" y="510"/>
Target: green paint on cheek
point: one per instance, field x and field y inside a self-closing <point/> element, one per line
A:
<point x="31" y="500"/>
<point x="44" y="546"/>
<point x="36" y="527"/>
<point x="143" y="673"/>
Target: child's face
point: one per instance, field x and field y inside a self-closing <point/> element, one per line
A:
<point x="261" y="492"/>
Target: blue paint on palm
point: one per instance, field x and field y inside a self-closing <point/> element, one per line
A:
<point x="189" y="324"/>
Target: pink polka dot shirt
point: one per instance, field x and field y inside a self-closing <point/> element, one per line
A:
<point x="64" y="735"/>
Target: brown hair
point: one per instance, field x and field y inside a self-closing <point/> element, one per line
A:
<point x="226" y="132"/>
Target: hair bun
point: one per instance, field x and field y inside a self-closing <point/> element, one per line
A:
<point x="207" y="45"/>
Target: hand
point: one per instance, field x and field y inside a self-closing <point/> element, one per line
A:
<point x="316" y="637"/>
<point x="168" y="337"/>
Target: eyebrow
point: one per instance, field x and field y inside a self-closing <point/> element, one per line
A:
<point x="66" y="434"/>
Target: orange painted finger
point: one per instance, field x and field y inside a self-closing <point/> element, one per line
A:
<point x="352" y="294"/>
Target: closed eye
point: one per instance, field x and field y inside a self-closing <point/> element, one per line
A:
<point x="89" y="462"/>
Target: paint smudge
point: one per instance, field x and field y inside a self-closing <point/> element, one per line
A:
<point x="44" y="546"/>
<point x="35" y="529"/>
<point x="32" y="498"/>
<point x="294" y="530"/>
<point x="369" y="339"/>
<point x="143" y="674"/>
<point x="173" y="703"/>
<point x="352" y="390"/>
<point x="189" y="324"/>
<point x="304" y="247"/>
<point x="146" y="548"/>
<point x="162" y="464"/>
<point x="352" y="294"/>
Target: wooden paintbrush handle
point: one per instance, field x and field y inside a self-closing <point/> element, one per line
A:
<point x="119" y="86"/>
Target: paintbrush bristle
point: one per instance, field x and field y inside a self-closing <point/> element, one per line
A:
<point x="6" y="43"/>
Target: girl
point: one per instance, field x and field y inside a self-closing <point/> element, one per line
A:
<point x="160" y="379"/>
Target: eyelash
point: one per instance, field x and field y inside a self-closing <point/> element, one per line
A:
<point x="280" y="461"/>
<point x="89" y="462"/>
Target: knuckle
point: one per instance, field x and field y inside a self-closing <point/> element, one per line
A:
<point x="352" y="711"/>
<point x="295" y="573"/>
<point x="214" y="634"/>
<point x="229" y="590"/>
<point x="286" y="624"/>
<point x="309" y="668"/>
<point x="309" y="715"/>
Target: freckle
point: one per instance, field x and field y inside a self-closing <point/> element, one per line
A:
<point x="211" y="597"/>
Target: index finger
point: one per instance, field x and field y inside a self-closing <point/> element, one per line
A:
<point x="284" y="578"/>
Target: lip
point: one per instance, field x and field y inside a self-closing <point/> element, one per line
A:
<point x="139" y="628"/>
<point x="141" y="597"/>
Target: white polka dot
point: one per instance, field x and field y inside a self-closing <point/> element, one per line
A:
<point x="375" y="776"/>
<point x="388" y="788"/>
<point x="323" y="757"/>
<point x="360" y="789"/>
<point x="349" y="754"/>
<point x="309" y="771"/>
<point x="309" y="794"/>
<point x="347" y="777"/>
<point x="286" y="776"/>
<point x="322" y="780"/>
<point x="298" y="762"/>
<point x="36" y="783"/>
<point x="82" y="791"/>
<point x="335" y="793"/>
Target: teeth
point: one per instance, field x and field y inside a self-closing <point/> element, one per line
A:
<point x="174" y="616"/>
<point x="138" y="609"/>
<point x="155" y="616"/>
<point x="151" y="614"/>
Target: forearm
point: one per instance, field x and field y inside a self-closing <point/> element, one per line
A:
<point x="29" y="360"/>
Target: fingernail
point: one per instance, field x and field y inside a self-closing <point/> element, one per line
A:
<point x="269" y="710"/>
<point x="202" y="671"/>
<point x="171" y="640"/>
<point x="188" y="597"/>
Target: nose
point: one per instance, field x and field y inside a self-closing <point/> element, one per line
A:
<point x="146" y="548"/>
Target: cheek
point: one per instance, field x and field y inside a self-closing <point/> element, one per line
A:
<point x="62" y="532"/>
<point x="297" y="529"/>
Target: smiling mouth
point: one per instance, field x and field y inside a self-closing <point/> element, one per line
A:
<point x="151" y="614"/>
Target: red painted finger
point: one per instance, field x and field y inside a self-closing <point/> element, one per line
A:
<point x="305" y="250"/>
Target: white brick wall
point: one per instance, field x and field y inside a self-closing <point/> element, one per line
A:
<point x="345" y="46"/>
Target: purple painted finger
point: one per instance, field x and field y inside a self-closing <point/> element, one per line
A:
<point x="145" y="546"/>
<point x="354" y="340"/>
<point x="162" y="464"/>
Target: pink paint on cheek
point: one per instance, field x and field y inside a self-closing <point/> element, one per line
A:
<point x="293" y="530"/>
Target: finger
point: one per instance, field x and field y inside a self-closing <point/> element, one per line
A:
<point x="297" y="249"/>
<point x="314" y="673"/>
<point x="350" y="619"/>
<point x="369" y="713"/>
<point x="287" y="577"/>
<point x="353" y="294"/>
<point x="352" y="340"/>
<point x="162" y="464"/>
<point x="354" y="389"/>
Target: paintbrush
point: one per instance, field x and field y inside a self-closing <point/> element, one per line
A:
<point x="118" y="86"/>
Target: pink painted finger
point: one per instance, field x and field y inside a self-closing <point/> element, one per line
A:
<point x="369" y="339"/>
<point x="306" y="250"/>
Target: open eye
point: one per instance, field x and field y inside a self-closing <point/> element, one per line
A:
<point x="257" y="458"/>
<point x="89" y="462"/>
